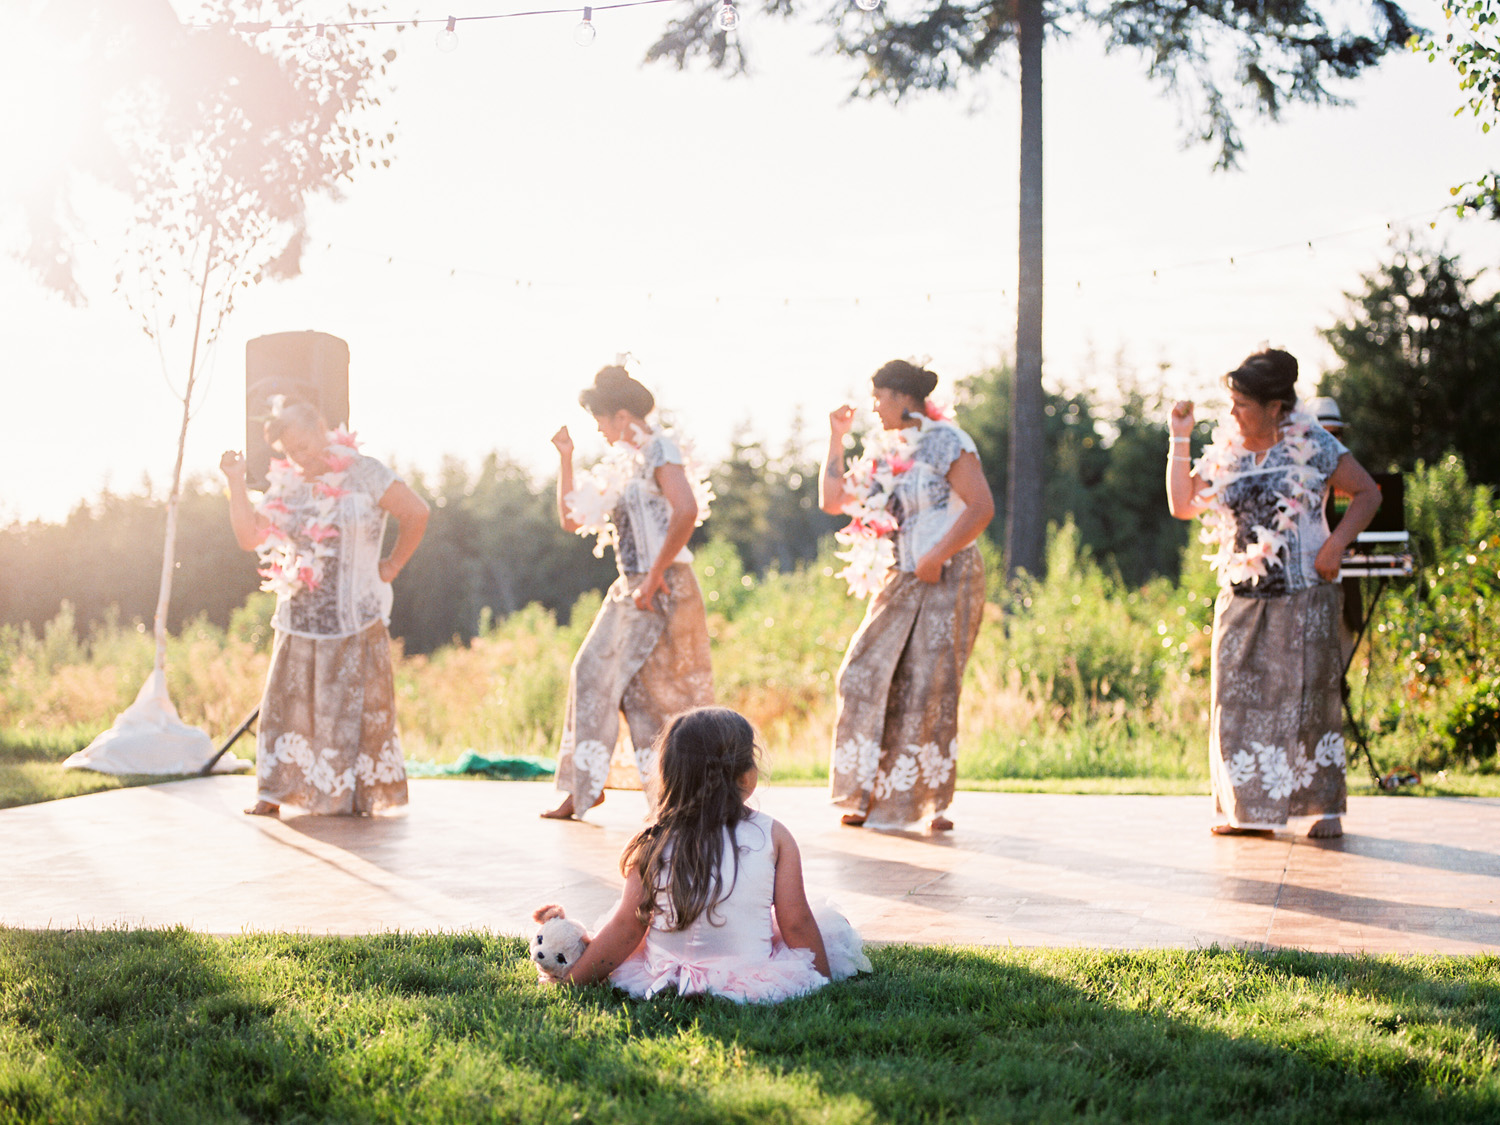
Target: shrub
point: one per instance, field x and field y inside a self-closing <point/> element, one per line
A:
<point x="1472" y="727"/>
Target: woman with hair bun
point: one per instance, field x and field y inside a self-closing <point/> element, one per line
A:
<point x="327" y="739"/>
<point x="918" y="500"/>
<point x="1276" y="734"/>
<point x="646" y="654"/>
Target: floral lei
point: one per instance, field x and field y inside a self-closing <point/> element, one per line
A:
<point x="596" y="491"/>
<point x="870" y="483"/>
<point x="1218" y="467"/>
<point x="293" y="561"/>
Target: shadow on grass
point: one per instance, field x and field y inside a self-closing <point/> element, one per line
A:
<point x="1168" y="1036"/>
<point x="144" y="1026"/>
<point x="171" y="1026"/>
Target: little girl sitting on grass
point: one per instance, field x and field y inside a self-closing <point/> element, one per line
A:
<point x="713" y="898"/>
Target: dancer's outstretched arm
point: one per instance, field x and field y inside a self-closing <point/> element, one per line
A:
<point x="564" y="443"/>
<point x="249" y="525"/>
<point x="832" y="496"/>
<point x="1183" y="484"/>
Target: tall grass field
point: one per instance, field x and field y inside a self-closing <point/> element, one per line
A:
<point x="1078" y="680"/>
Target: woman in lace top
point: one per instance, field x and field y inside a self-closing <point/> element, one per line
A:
<point x="895" y="742"/>
<point x="646" y="654"/>
<point x="1276" y="742"/>
<point x="326" y="739"/>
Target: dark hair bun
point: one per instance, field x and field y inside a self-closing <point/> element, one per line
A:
<point x="1267" y="376"/>
<point x="907" y="378"/>
<point x="613" y="390"/>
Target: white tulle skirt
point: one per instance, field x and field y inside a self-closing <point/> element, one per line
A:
<point x="788" y="973"/>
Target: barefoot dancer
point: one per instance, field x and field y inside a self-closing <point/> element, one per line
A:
<point x="327" y="739"/>
<point x="647" y="652"/>
<point x="918" y="499"/>
<point x="1276" y="742"/>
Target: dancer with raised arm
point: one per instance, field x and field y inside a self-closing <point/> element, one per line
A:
<point x="918" y="500"/>
<point x="1276" y="735"/>
<point x="646" y="654"/>
<point x="326" y="740"/>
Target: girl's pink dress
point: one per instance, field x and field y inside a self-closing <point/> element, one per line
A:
<point x="735" y="949"/>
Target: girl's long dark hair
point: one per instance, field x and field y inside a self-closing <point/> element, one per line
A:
<point x="701" y="754"/>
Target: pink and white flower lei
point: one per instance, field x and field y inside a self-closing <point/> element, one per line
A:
<point x="1218" y="467"/>
<point x="292" y="562"/>
<point x="870" y="482"/>
<point x="596" y="491"/>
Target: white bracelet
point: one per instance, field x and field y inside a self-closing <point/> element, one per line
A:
<point x="1175" y="438"/>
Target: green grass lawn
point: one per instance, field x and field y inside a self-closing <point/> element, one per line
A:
<point x="168" y="1026"/>
<point x="31" y="768"/>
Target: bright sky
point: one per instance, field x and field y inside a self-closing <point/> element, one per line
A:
<point x="760" y="245"/>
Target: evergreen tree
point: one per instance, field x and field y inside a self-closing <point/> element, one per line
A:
<point x="1104" y="473"/>
<point x="1419" y="374"/>
<point x="1284" y="50"/>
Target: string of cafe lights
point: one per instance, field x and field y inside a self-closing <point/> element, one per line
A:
<point x="1310" y="244"/>
<point x="319" y="47"/>
<point x="531" y="286"/>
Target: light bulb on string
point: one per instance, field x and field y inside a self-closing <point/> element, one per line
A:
<point x="319" y="49"/>
<point x="447" y="39"/>
<point x="727" y="18"/>
<point x="584" y="33"/>
<point x="867" y="5"/>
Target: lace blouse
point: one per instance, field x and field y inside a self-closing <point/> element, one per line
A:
<point x="349" y="596"/>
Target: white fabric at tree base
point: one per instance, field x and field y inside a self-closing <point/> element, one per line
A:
<point x="148" y="737"/>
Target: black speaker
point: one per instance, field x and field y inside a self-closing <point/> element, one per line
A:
<point x="1390" y="516"/>
<point x="305" y="366"/>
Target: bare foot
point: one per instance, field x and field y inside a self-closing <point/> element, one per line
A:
<point x="853" y="819"/>
<point x="1231" y="830"/>
<point x="564" y="811"/>
<point x="940" y="823"/>
<point x="263" y="808"/>
<point x="1329" y="828"/>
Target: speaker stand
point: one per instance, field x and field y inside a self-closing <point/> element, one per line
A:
<point x="230" y="741"/>
<point x="1354" y="724"/>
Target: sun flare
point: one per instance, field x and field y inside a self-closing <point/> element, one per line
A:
<point x="46" y="92"/>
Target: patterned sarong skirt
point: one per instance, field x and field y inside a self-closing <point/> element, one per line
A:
<point x="648" y="664"/>
<point x="1276" y="735"/>
<point x="895" y="740"/>
<point x="326" y="740"/>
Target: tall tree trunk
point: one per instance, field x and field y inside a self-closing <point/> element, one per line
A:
<point x="169" y="547"/>
<point x="1025" y="537"/>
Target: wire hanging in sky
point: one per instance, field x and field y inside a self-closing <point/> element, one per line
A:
<point x="726" y="19"/>
<point x="920" y="293"/>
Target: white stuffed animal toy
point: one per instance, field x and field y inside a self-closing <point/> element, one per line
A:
<point x="559" y="943"/>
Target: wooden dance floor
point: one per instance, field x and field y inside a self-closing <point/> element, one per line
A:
<point x="1413" y="874"/>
